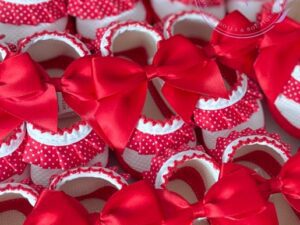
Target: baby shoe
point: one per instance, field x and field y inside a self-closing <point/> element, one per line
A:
<point x="188" y="171"/>
<point x="217" y="117"/>
<point x="192" y="176"/>
<point x="157" y="130"/>
<point x="262" y="152"/>
<point x="164" y="8"/>
<point x="282" y="75"/>
<point x="75" y="143"/>
<point x="20" y="19"/>
<point x="92" y="14"/>
<point x="92" y="186"/>
<point x="16" y="203"/>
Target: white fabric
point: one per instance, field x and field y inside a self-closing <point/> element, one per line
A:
<point x="42" y="176"/>
<point x="249" y="8"/>
<point x="90" y="174"/>
<point x="229" y="149"/>
<point x="19" y="189"/>
<point x="14" y="144"/>
<point x="205" y="168"/>
<point x="88" y="28"/>
<point x="256" y="121"/>
<point x="167" y="7"/>
<point x="14" y="33"/>
<point x="140" y="29"/>
<point x="67" y="138"/>
<point x="289" y="109"/>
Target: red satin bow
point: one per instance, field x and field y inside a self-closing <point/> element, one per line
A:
<point x="110" y="92"/>
<point x="229" y="45"/>
<point x="25" y="96"/>
<point x="279" y="54"/>
<point x="127" y="207"/>
<point x="286" y="182"/>
<point x="228" y="202"/>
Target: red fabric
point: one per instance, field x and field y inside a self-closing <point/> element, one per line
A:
<point x="105" y="95"/>
<point x="227" y="202"/>
<point x="286" y="182"/>
<point x="25" y="96"/>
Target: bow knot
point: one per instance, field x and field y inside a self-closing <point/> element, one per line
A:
<point x="199" y="210"/>
<point x="151" y="72"/>
<point x="56" y="82"/>
<point x="209" y="51"/>
<point x="274" y="185"/>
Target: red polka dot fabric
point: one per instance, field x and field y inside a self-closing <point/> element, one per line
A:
<point x="63" y="157"/>
<point x="12" y="164"/>
<point x="202" y="3"/>
<point x="160" y="159"/>
<point x="231" y="116"/>
<point x="32" y="14"/>
<point x="99" y="9"/>
<point x="292" y="90"/>
<point x="149" y="144"/>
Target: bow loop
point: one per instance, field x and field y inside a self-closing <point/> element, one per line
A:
<point x="272" y="70"/>
<point x="25" y="95"/>
<point x="236" y="52"/>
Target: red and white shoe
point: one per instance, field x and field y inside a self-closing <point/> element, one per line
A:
<point x="189" y="172"/>
<point x="75" y="144"/>
<point x="158" y="130"/>
<point x="20" y="19"/>
<point x="92" y="186"/>
<point x="283" y="98"/>
<point x="16" y="203"/>
<point x="12" y="168"/>
<point x="164" y="8"/>
<point x="263" y="152"/>
<point x="92" y="14"/>
<point x="218" y="117"/>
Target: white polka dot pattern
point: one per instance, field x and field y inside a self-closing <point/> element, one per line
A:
<point x="98" y="9"/>
<point x="32" y="14"/>
<point x="63" y="157"/>
<point x="231" y="116"/>
<point x="149" y="144"/>
<point x="12" y="164"/>
<point x="292" y="90"/>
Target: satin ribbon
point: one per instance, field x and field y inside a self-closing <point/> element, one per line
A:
<point x="110" y="92"/>
<point x="25" y="95"/>
<point x="237" y="52"/>
<point x="229" y="201"/>
<point x="286" y="182"/>
<point x="279" y="54"/>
